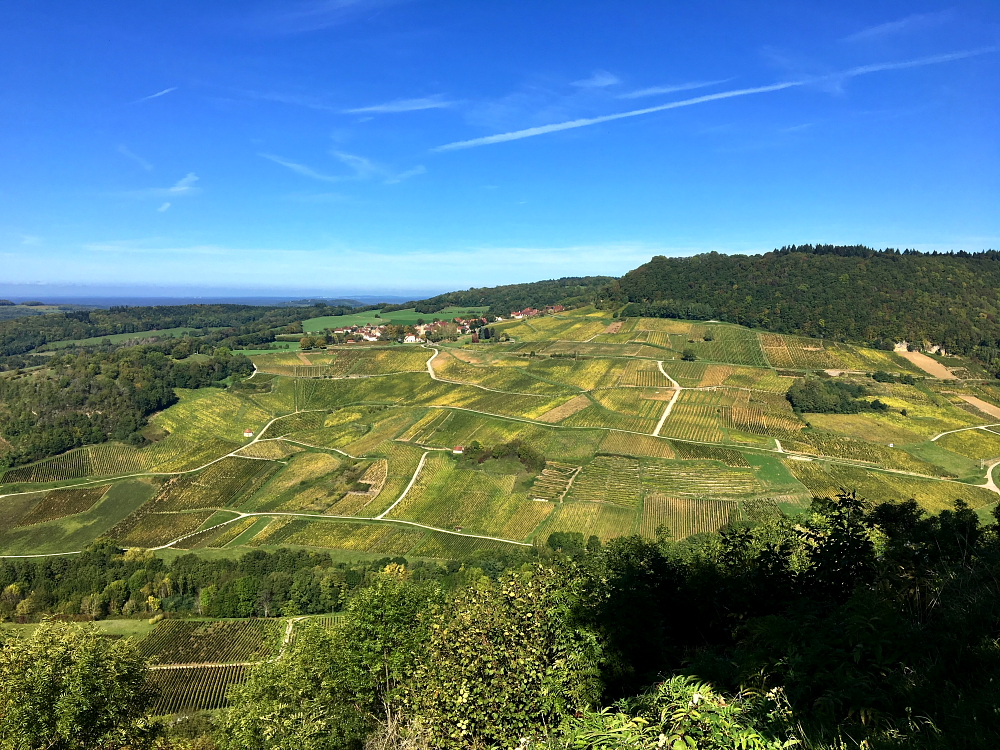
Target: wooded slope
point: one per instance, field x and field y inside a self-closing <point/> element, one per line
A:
<point x="844" y="293"/>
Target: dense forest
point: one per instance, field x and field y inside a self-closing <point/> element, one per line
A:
<point x="844" y="293"/>
<point x="234" y="325"/>
<point x="92" y="397"/>
<point x="851" y="626"/>
<point x="502" y="300"/>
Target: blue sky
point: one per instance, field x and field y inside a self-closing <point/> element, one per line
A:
<point x="340" y="146"/>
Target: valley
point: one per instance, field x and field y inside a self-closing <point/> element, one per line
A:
<point x="631" y="425"/>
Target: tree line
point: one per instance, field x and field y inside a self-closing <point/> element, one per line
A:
<point x="106" y="581"/>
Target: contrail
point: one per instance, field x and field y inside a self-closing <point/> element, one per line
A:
<point x="584" y="122"/>
<point x="153" y="96"/>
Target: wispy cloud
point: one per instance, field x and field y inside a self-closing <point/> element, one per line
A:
<point x="420" y="169"/>
<point x="402" y="105"/>
<point x="361" y="167"/>
<point x="157" y="94"/>
<point x="184" y="186"/>
<point x="316" y="197"/>
<point x="587" y="121"/>
<point x="163" y="208"/>
<point x="672" y="89"/>
<point x="124" y="151"/>
<point x="903" y="25"/>
<point x="365" y="169"/>
<point x="30" y="239"/>
<point x="300" y="100"/>
<point x="301" y="169"/>
<point x="600" y="79"/>
<point x="302" y="17"/>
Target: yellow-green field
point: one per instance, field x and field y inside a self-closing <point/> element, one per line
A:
<point x="356" y="448"/>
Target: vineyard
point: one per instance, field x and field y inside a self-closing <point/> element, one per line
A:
<point x="383" y="538"/>
<point x="144" y="529"/>
<point x="611" y="479"/>
<point x="340" y="432"/>
<point x="586" y="374"/>
<point x="297" y="422"/>
<point x="61" y="503"/>
<point x="192" y="689"/>
<point x="625" y="444"/>
<point x="451" y="546"/>
<point x="644" y="373"/>
<point x="697" y="415"/>
<point x="227" y="483"/>
<point x="727" y="456"/>
<point x="635" y="402"/>
<point x="269" y="449"/>
<point x="602" y="520"/>
<point x="597" y="416"/>
<point x="729" y="344"/>
<point x="683" y="517"/>
<point x="697" y="479"/>
<point x="972" y="443"/>
<point x="826" y="480"/>
<point x="211" y="642"/>
<point x="553" y="483"/>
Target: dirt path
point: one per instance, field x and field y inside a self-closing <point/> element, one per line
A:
<point x="413" y="480"/>
<point x="963" y="429"/>
<point x="931" y="366"/>
<point x="673" y="400"/>
<point x="304" y="358"/>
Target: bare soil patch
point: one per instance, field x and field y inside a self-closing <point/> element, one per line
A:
<point x="983" y="406"/>
<point x="571" y="407"/>
<point x="930" y="366"/>
<point x="614" y="327"/>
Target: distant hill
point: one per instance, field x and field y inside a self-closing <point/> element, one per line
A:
<point x="504" y="299"/>
<point x="846" y="293"/>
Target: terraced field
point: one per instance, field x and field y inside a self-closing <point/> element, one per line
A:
<point x="355" y="448"/>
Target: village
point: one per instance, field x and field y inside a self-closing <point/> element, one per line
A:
<point x="421" y="332"/>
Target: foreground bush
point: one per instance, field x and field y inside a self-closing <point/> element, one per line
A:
<point x="505" y="660"/>
<point x="680" y="713"/>
<point x="67" y="688"/>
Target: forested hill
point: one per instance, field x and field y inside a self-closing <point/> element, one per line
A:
<point x="850" y="293"/>
<point x="243" y="324"/>
<point x="504" y="299"/>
